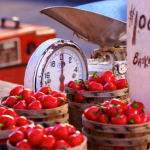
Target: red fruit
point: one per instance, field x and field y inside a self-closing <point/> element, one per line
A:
<point x="137" y="105"/>
<point x="20" y="121"/>
<point x="16" y="90"/>
<point x="117" y="101"/>
<point x="61" y="101"/>
<point x="37" y="95"/>
<point x="30" y="100"/>
<point x="45" y="89"/>
<point x="74" y="85"/>
<point x="132" y="111"/>
<point x="119" y="120"/>
<point x="144" y="116"/>
<point x="35" y="105"/>
<point x="71" y="129"/>
<point x="7" y="120"/>
<point x="15" y="137"/>
<point x="60" y="131"/>
<point x="24" y="94"/>
<point x="78" y="97"/>
<point x="105" y="104"/>
<point x="104" y="78"/>
<point x="24" y="144"/>
<point x="47" y="142"/>
<point x="59" y="95"/>
<point x="23" y="129"/>
<point x="53" y="92"/>
<point x="2" y="110"/>
<point x="61" y="144"/>
<point x="109" y="73"/>
<point x="11" y="127"/>
<point x="121" y="83"/>
<point x="95" y="77"/>
<point x="35" y="136"/>
<point x="38" y="126"/>
<point x="92" y="113"/>
<point x="94" y="86"/>
<point x="49" y="101"/>
<point x="113" y="110"/>
<point x="10" y="112"/>
<point x="49" y="130"/>
<point x="75" y="139"/>
<point x="109" y="86"/>
<point x="4" y="103"/>
<point x="103" y="119"/>
<point x="20" y="105"/>
<point x="11" y="101"/>
<point x="135" y="119"/>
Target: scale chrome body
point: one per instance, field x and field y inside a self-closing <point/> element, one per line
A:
<point x="100" y="23"/>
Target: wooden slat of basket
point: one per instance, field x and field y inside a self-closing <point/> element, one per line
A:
<point x="117" y="142"/>
<point x="115" y="129"/>
<point x="47" y="123"/>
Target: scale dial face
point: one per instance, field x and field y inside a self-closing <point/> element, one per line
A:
<point x="61" y="62"/>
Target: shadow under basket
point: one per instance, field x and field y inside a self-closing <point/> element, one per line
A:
<point x="110" y="137"/>
<point x="76" y="109"/>
<point x="45" y="117"/>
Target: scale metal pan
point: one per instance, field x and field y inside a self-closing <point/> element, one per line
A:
<point x="102" y="23"/>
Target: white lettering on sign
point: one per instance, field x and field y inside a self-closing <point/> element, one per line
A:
<point x="138" y="50"/>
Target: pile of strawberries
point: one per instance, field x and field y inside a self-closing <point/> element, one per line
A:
<point x="23" y="98"/>
<point x="118" y="112"/>
<point x="10" y="120"/>
<point x="104" y="82"/>
<point x="61" y="136"/>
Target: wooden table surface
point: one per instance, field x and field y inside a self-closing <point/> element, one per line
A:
<point x="5" y="88"/>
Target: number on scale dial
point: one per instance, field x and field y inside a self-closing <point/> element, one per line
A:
<point x="55" y="62"/>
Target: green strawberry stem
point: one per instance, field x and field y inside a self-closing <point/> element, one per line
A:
<point x="19" y="97"/>
<point x="63" y="147"/>
<point x="86" y="85"/>
<point x="131" y="121"/>
<point x="135" y="105"/>
<point x="94" y="74"/>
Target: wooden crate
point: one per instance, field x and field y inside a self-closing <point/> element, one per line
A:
<point x="45" y="117"/>
<point x="108" y="136"/>
<point x="76" y="109"/>
<point x="83" y="146"/>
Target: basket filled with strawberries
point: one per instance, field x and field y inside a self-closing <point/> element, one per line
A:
<point x="82" y="94"/>
<point x="61" y="136"/>
<point x="116" y="125"/>
<point x="44" y="107"/>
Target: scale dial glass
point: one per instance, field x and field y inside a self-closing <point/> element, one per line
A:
<point x="72" y="67"/>
<point x="61" y="62"/>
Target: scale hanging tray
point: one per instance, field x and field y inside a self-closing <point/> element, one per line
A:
<point x="102" y="23"/>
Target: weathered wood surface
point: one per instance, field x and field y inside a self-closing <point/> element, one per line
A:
<point x="115" y="129"/>
<point x="5" y="88"/>
<point x="83" y="146"/>
<point x="129" y="137"/>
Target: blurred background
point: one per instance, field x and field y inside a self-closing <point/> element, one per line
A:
<point x="12" y="68"/>
<point x="29" y="12"/>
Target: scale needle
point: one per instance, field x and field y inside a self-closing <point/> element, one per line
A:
<point x="62" y="78"/>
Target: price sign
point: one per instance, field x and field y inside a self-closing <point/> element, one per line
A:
<point x="138" y="50"/>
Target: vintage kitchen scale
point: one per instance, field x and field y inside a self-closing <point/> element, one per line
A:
<point x="57" y="61"/>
